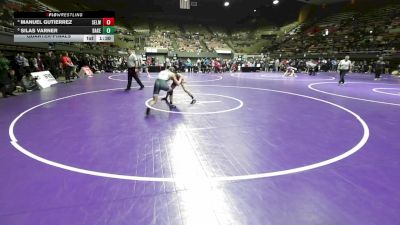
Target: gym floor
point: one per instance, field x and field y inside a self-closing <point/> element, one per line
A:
<point x="256" y="148"/>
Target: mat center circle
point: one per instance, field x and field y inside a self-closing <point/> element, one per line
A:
<point x="207" y="103"/>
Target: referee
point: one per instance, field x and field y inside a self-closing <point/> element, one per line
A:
<point x="344" y="67"/>
<point x="379" y="68"/>
<point x="133" y="70"/>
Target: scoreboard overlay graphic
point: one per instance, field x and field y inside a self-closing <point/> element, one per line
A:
<point x="93" y="26"/>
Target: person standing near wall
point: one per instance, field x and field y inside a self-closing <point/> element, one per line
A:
<point x="344" y="67"/>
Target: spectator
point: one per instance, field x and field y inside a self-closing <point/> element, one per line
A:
<point x="276" y="65"/>
<point x="25" y="66"/>
<point x="7" y="82"/>
<point x="50" y="63"/>
<point x="38" y="63"/>
<point x="29" y="83"/>
<point x="4" y="79"/>
<point x="68" y="67"/>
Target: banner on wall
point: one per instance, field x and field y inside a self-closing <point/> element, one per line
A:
<point x="44" y="79"/>
<point x="223" y="51"/>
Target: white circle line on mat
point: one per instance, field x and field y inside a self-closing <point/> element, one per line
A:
<point x="379" y="90"/>
<point x="111" y="77"/>
<point x="275" y="78"/>
<point x="351" y="151"/>
<point x="311" y="86"/>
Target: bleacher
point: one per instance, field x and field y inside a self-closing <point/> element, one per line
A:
<point x="336" y="19"/>
<point x="347" y="32"/>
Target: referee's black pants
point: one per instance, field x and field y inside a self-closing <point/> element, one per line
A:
<point x="378" y="73"/>
<point x="342" y="74"/>
<point x="132" y="73"/>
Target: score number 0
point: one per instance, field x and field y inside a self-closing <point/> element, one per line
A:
<point x="108" y="21"/>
